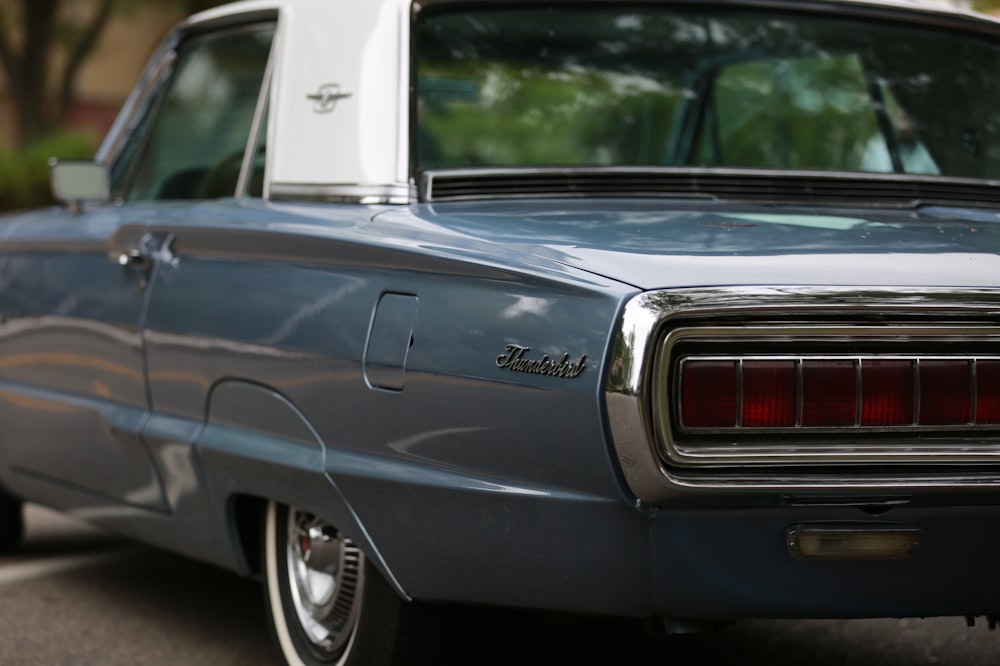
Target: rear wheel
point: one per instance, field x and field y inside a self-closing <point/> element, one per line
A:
<point x="327" y="604"/>
<point x="11" y="522"/>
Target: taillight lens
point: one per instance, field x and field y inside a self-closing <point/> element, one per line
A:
<point x="887" y="393"/>
<point x="711" y="394"/>
<point x="784" y="393"/>
<point x="988" y="392"/>
<point x="829" y="393"/>
<point x="945" y="393"/>
<point x="770" y="394"/>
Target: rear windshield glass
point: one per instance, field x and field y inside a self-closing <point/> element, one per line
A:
<point x="655" y="86"/>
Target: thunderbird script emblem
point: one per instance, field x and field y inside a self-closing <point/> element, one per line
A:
<point x="515" y="361"/>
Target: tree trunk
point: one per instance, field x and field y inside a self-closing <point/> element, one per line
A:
<point x="78" y="53"/>
<point x="31" y="68"/>
<point x="41" y="105"/>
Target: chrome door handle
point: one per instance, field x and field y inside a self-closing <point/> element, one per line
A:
<point x="132" y="258"/>
<point x="152" y="248"/>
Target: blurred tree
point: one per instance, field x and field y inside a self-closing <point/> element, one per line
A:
<point x="30" y="33"/>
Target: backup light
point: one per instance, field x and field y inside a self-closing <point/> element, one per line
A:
<point x="831" y="543"/>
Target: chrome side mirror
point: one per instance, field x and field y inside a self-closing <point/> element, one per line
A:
<point x="75" y="182"/>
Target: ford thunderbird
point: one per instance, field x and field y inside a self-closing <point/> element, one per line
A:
<point x="673" y="310"/>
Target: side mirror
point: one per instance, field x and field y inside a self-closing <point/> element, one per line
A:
<point x="79" y="181"/>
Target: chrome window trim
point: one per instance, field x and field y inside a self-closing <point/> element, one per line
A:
<point x="911" y="11"/>
<point x="643" y="327"/>
<point x="260" y="116"/>
<point x="355" y="193"/>
<point x="142" y="95"/>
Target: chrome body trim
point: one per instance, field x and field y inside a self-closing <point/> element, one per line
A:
<point x="655" y="473"/>
<point x="257" y="126"/>
<point x="396" y="193"/>
<point x="153" y="77"/>
<point x="326" y="97"/>
<point x="920" y="11"/>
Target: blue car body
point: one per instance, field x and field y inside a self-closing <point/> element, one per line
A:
<point x="480" y="391"/>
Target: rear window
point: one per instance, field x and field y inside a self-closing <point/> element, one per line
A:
<point x="658" y="86"/>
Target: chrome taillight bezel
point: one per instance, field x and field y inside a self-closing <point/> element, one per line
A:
<point x="656" y="466"/>
<point x="801" y="445"/>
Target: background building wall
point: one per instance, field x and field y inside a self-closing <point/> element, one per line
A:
<point x="111" y="71"/>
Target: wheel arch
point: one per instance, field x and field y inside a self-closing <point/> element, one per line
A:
<point x="245" y="516"/>
<point x="258" y="447"/>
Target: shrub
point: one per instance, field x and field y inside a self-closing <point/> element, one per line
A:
<point x="24" y="174"/>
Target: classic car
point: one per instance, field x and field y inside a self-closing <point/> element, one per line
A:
<point x="684" y="310"/>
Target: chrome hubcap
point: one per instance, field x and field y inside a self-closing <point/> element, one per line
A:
<point x="326" y="577"/>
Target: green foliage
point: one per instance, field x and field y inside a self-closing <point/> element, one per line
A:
<point x="805" y="112"/>
<point x="500" y="114"/>
<point x="24" y="174"/>
<point x="793" y="113"/>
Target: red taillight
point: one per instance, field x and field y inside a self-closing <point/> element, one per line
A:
<point x="988" y="392"/>
<point x="710" y="394"/>
<point x="867" y="392"/>
<point x="945" y="393"/>
<point x="829" y="393"/>
<point x="887" y="393"/>
<point x="770" y="394"/>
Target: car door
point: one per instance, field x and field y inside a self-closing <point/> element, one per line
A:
<point x="72" y="391"/>
<point x="74" y="399"/>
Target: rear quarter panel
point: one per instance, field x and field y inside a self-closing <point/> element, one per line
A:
<point x="451" y="473"/>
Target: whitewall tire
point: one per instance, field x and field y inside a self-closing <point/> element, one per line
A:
<point x="328" y="605"/>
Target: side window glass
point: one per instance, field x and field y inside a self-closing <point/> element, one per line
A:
<point x="191" y="143"/>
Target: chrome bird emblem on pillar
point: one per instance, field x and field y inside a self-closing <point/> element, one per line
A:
<point x="325" y="99"/>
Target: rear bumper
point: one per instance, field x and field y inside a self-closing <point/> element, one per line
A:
<point x="736" y="564"/>
<point x="716" y="557"/>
